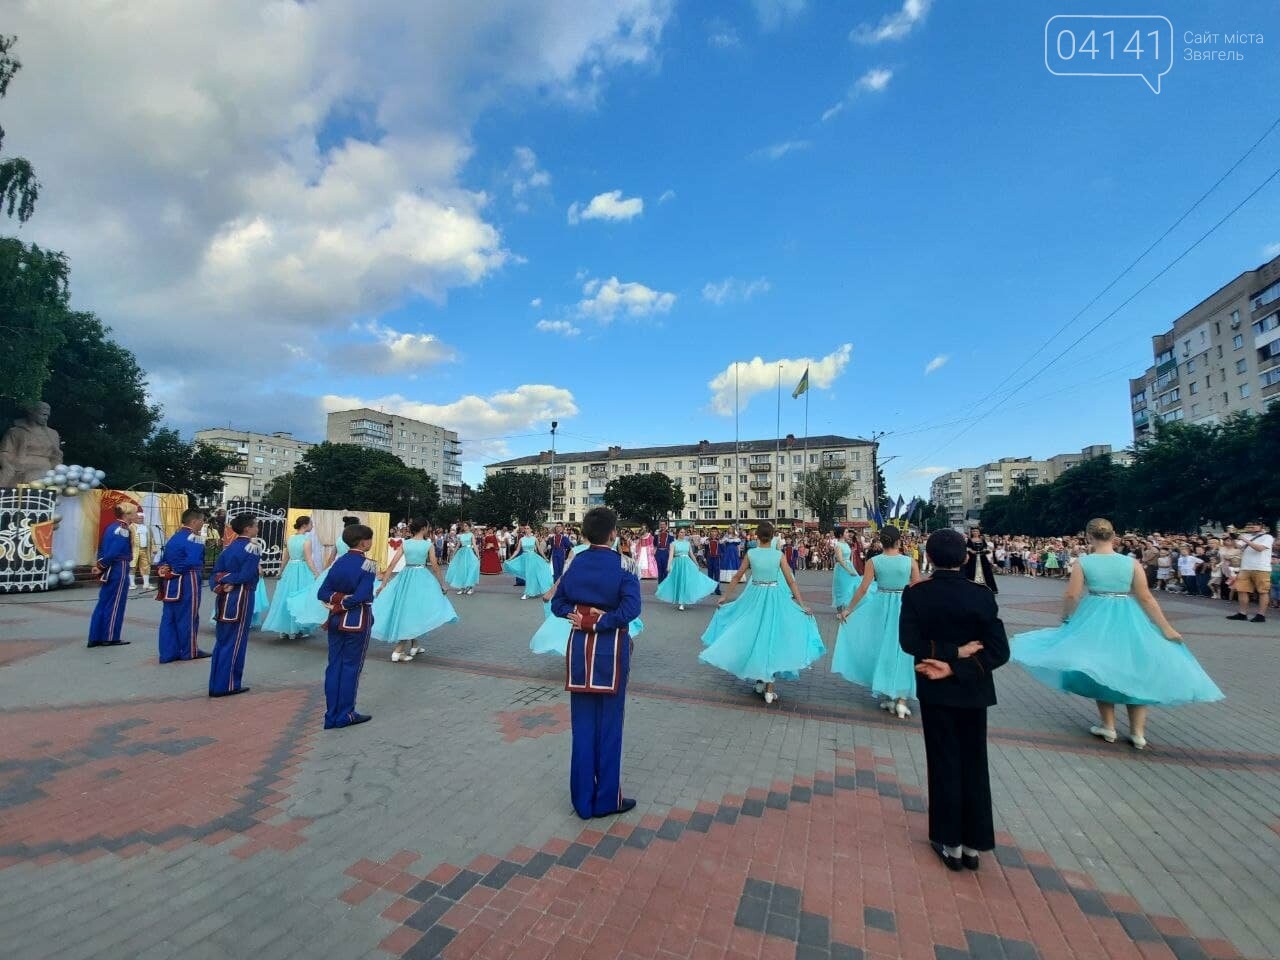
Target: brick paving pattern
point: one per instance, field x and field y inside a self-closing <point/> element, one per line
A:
<point x="140" y="819"/>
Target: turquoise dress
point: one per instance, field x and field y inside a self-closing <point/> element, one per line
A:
<point x="764" y="634"/>
<point x="553" y="635"/>
<point x="412" y="603"/>
<point x="296" y="578"/>
<point x="530" y="567"/>
<point x="463" y="572"/>
<point x="685" y="583"/>
<point x="1110" y="650"/>
<point x="867" y="651"/>
<point x="305" y="607"/>
<point x="843" y="584"/>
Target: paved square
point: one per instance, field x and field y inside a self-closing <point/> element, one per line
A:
<point x="138" y="818"/>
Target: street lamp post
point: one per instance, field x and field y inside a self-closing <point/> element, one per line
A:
<point x="551" y="507"/>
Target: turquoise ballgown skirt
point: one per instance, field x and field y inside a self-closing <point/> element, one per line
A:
<point x="685" y="583"/>
<point x="1111" y="651"/>
<point x="305" y="608"/>
<point x="463" y="571"/>
<point x="867" y="651"/>
<point x="412" y="604"/>
<point x="295" y="579"/>
<point x="533" y="570"/>
<point x="763" y="635"/>
<point x="553" y="635"/>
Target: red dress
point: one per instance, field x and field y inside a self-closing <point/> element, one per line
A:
<point x="490" y="559"/>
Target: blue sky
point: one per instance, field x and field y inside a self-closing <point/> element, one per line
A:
<point x="956" y="205"/>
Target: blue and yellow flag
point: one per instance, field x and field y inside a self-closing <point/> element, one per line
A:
<point x="802" y="386"/>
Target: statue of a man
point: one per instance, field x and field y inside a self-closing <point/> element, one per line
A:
<point x="30" y="448"/>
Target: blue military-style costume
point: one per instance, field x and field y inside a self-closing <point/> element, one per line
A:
<point x="115" y="555"/>
<point x="235" y="583"/>
<point x="597" y="664"/>
<point x="179" y="570"/>
<point x="662" y="541"/>
<point x="347" y="589"/>
<point x="558" y="547"/>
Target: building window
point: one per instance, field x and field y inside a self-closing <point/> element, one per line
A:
<point x="573" y="517"/>
<point x="1191" y="365"/>
<point x="1237" y="342"/>
<point x="572" y="468"/>
<point x="1270" y="377"/>
<point x="626" y="468"/>
<point x="644" y="468"/>
<point x="1261" y="299"/>
<point x="726" y="515"/>
<point x="813" y="458"/>
<point x="1195" y="409"/>
<point x="728" y="498"/>
<point x="259" y="460"/>
<point x="662" y="466"/>
<point x="727" y="462"/>
<point x="1195" y="387"/>
<point x="1241" y="365"/>
<point x="1244" y="390"/>
<point x="742" y="478"/>
<point x="797" y="460"/>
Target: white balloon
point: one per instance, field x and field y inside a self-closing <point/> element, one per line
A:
<point x="55" y="566"/>
<point x="82" y="486"/>
<point x="100" y="474"/>
<point x="74" y="466"/>
<point x="52" y="581"/>
<point x="95" y="482"/>
<point x="66" y="576"/>
<point x="71" y="491"/>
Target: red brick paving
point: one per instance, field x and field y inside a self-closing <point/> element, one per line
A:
<point x="12" y="651"/>
<point x="533" y="722"/>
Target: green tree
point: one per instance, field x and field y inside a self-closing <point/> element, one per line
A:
<point x="933" y="516"/>
<point x="446" y="514"/>
<point x="344" y="476"/>
<point x="278" y="493"/>
<point x="821" y="491"/>
<point x="170" y="462"/>
<point x="1170" y="484"/>
<point x="397" y="490"/>
<point x="511" y="497"/>
<point x="19" y="188"/>
<point x="644" y="497"/>
<point x="1093" y="488"/>
<point x="883" y="500"/>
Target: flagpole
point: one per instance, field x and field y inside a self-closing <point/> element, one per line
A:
<point x="777" y="441"/>
<point x="733" y="519"/>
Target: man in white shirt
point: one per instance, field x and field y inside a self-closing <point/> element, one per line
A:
<point x="1255" y="569"/>
<point x="1188" y="566"/>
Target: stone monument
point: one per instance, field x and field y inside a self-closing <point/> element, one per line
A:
<point x="30" y="448"/>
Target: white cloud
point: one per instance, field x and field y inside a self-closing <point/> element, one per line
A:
<point x="928" y="471"/>
<point x="536" y="302"/>
<point x="758" y="376"/>
<point x="779" y="150"/>
<point x="1271" y="250"/>
<point x="894" y="26"/>
<point x="729" y="289"/>
<point x="272" y="171"/>
<point x="605" y="299"/>
<point x="607" y="206"/>
<point x="666" y="195"/>
<point x="562" y="327"/>
<point x="937" y="363"/>
<point x="721" y="34"/>
<point x="525" y="175"/>
<point x="481" y="422"/>
<point x="875" y="80"/>
<point x="774" y="13"/>
<point x="393" y="352"/>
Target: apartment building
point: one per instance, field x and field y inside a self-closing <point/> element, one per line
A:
<point x="418" y="444"/>
<point x="1220" y="357"/>
<point x="963" y="492"/>
<point x="723" y="482"/>
<point x="261" y="457"/>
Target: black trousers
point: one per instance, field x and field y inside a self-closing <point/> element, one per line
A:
<point x="955" y="743"/>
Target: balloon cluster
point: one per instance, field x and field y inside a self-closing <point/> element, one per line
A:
<point x="70" y="481"/>
<point x="60" y="574"/>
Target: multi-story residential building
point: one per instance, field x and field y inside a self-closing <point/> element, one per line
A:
<point x="723" y="482"/>
<point x="261" y="457"/>
<point x="963" y="492"/>
<point x="1220" y="357"/>
<point x="417" y="444"/>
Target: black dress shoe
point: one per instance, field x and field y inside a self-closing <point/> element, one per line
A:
<point x="969" y="861"/>
<point x="360" y="718"/>
<point x="118" y="643"/>
<point x="1258" y="618"/>
<point x="623" y="807"/>
<point x="228" y="693"/>
<point x="952" y="863"/>
<point x="201" y="655"/>
<point x="1237" y="616"/>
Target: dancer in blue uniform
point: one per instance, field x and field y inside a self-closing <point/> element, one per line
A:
<point x="867" y="651"/>
<point x="412" y="603"/>
<point x="764" y="635"/>
<point x="530" y="567"/>
<point x="846" y="579"/>
<point x="347" y="590"/>
<point x="234" y="583"/>
<point x="298" y="577"/>
<point x="662" y="549"/>
<point x="553" y="635"/>
<point x="730" y="555"/>
<point x="558" y="547"/>
<point x="115" y="555"/>
<point x="1114" y="645"/>
<point x="179" y="572"/>
<point x="599" y="598"/>
<point x="464" y="569"/>
<point x="684" y="582"/>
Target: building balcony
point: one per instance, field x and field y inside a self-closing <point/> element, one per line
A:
<point x="708" y="468"/>
<point x="762" y="501"/>
<point x="557" y="503"/>
<point x="557" y="487"/>
<point x="761" y="483"/>
<point x="1269" y="391"/>
<point x="712" y="484"/>
<point x="596" y="486"/>
<point x="556" y="472"/>
<point x="760" y="467"/>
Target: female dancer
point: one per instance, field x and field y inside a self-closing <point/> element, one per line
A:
<point x="646" y="559"/>
<point x="867" y="651"/>
<point x="846" y="579"/>
<point x="115" y="554"/>
<point x="529" y="566"/>
<point x="411" y="604"/>
<point x="299" y="574"/>
<point x="553" y="635"/>
<point x="730" y="558"/>
<point x="977" y="564"/>
<point x="490" y="554"/>
<point x="764" y="635"/>
<point x="1114" y="645"/>
<point x="685" y="583"/>
<point x="464" y="569"/>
